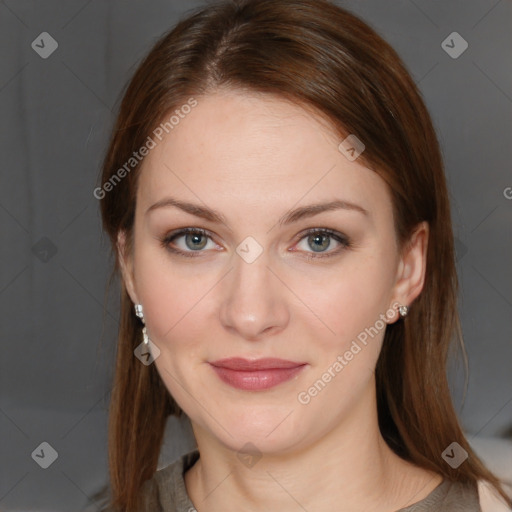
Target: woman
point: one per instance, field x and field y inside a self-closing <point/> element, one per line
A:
<point x="275" y="197"/>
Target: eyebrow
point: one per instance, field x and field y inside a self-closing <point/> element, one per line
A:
<point x="290" y="217"/>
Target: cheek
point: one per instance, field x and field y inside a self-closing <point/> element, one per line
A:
<point x="173" y="301"/>
<point x="345" y="355"/>
<point x="347" y="302"/>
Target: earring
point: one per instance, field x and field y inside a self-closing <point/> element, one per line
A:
<point x="403" y="310"/>
<point x="139" y="312"/>
<point x="145" y="336"/>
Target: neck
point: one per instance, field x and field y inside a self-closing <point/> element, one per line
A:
<point x="350" y="468"/>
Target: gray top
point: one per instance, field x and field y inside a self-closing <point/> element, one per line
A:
<point x="166" y="492"/>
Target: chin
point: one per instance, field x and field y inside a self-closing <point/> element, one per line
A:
<point x="275" y="431"/>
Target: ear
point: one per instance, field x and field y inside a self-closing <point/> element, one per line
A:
<point x="126" y="265"/>
<point x="410" y="276"/>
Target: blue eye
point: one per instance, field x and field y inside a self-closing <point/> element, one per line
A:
<point x="321" y="239"/>
<point x="196" y="239"/>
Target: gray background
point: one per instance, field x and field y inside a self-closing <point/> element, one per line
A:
<point x="58" y="327"/>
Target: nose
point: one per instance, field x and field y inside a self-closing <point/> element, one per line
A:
<point x="254" y="304"/>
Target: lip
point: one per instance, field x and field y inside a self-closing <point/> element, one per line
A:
<point x="255" y="375"/>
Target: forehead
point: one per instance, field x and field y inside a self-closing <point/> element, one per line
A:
<point x="253" y="151"/>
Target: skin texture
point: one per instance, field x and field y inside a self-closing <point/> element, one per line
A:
<point x="253" y="158"/>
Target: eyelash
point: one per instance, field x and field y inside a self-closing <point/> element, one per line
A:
<point x="342" y="239"/>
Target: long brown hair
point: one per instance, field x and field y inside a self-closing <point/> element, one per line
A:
<point x="325" y="59"/>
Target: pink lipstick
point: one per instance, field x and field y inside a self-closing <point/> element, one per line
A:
<point x="257" y="374"/>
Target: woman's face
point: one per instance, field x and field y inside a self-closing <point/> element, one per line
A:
<point x="256" y="284"/>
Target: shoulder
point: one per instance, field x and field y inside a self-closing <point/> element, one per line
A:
<point x="449" y="496"/>
<point x="148" y="495"/>
<point x="460" y="496"/>
<point x="489" y="500"/>
<point x="166" y="491"/>
<point x="150" y="499"/>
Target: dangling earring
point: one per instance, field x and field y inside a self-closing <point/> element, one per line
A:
<point x="403" y="310"/>
<point x="139" y="312"/>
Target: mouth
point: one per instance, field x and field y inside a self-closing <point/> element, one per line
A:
<point x="255" y="375"/>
